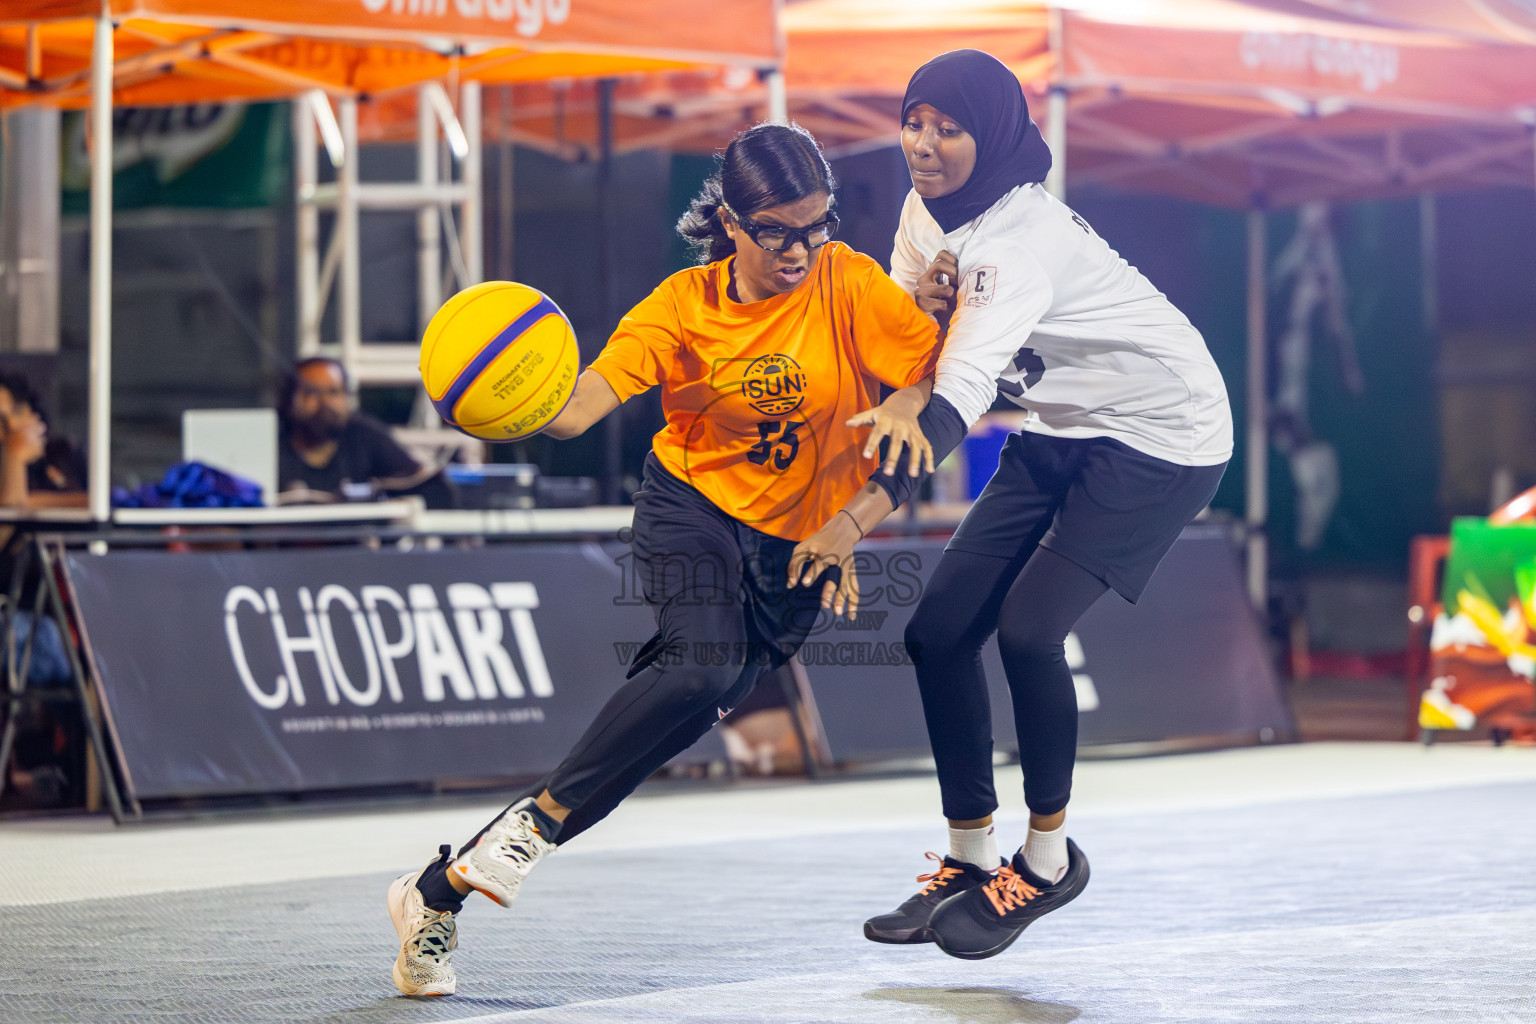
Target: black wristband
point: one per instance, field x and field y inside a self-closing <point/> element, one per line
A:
<point x="854" y="521"/>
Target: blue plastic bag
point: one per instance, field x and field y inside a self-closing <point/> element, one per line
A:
<point x="192" y="485"/>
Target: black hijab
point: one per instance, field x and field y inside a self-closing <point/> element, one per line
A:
<point x="984" y="97"/>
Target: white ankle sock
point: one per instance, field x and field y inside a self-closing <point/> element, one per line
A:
<point x="976" y="846"/>
<point x="1046" y="853"/>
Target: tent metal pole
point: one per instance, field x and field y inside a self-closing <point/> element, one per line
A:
<point x="350" y="314"/>
<point x="778" y="96"/>
<point x="613" y="437"/>
<point x="29" y="230"/>
<point x="1429" y="282"/>
<point x="504" y="193"/>
<point x="429" y="262"/>
<point x="471" y="226"/>
<point x="99" y="467"/>
<point x="306" y="175"/>
<point x="1256" y="434"/>
<point x="1056" y="112"/>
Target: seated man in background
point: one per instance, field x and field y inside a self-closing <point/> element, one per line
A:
<point x="329" y="452"/>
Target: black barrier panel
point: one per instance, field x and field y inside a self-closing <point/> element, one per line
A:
<point x="291" y="670"/>
<point x="1187" y="662"/>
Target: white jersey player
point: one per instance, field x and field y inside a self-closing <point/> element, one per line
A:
<point x="1047" y="315"/>
<point x="1127" y="436"/>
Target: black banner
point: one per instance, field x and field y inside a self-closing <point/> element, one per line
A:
<point x="311" y="669"/>
<point x="1186" y="662"/>
<point x="286" y="670"/>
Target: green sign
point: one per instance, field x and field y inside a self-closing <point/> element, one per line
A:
<point x="1493" y="566"/>
<point x="212" y="155"/>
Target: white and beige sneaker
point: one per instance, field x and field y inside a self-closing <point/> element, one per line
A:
<point x="427" y="938"/>
<point x="504" y="854"/>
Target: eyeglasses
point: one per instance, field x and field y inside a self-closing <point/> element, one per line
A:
<point x="777" y="237"/>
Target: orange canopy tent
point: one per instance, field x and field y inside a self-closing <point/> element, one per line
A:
<point x="101" y="52"/>
<point x="1235" y="103"/>
<point x="692" y="110"/>
<point x="187" y="51"/>
<point x="1215" y="100"/>
<point x="1498" y="21"/>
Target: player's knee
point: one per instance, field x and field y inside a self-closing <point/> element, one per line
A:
<point x="1021" y="643"/>
<point x="931" y="639"/>
<point x="917" y="637"/>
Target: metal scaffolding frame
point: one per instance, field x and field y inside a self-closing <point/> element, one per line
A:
<point x="448" y="210"/>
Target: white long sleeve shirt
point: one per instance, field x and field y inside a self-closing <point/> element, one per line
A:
<point x="1051" y="317"/>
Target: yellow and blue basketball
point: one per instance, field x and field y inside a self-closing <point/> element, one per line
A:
<point x="499" y="361"/>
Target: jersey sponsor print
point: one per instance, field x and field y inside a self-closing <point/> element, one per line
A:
<point x="981" y="284"/>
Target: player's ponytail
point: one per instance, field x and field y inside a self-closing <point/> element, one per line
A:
<point x="701" y="227"/>
<point x="766" y="165"/>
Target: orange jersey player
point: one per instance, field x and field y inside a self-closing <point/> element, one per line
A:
<point x="757" y="394"/>
<point x="770" y="358"/>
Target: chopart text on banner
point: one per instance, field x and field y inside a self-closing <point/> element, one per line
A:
<point x="379" y="626"/>
<point x="529" y="16"/>
<point x="292" y="669"/>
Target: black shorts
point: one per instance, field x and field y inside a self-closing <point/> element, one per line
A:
<point x="688" y="552"/>
<point x="1101" y="503"/>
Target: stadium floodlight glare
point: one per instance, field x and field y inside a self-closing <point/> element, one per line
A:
<point x="437" y="97"/>
<point x="330" y="130"/>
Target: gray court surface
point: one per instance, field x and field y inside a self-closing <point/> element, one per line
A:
<point x="1403" y="908"/>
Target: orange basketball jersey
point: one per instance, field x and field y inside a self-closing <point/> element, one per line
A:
<point x="756" y="394"/>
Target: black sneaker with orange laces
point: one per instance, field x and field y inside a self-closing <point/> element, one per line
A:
<point x="909" y="922"/>
<point x="985" y="920"/>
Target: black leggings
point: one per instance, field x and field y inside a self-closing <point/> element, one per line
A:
<point x="1032" y="603"/>
<point x="724" y="619"/>
<point x="1061" y="521"/>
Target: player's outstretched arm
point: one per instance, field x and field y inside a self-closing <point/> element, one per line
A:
<point x="593" y="399"/>
<point x="898" y="419"/>
<point x="943" y="429"/>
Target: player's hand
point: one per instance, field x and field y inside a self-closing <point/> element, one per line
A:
<point x="832" y="545"/>
<point x="936" y="288"/>
<point x="895" y="420"/>
<point x="26" y="436"/>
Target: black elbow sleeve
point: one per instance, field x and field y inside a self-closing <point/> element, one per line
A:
<point x="945" y="429"/>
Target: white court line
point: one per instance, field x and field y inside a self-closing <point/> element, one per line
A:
<point x="60" y="860"/>
<point x="1397" y="942"/>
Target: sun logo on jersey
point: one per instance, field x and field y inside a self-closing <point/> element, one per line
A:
<point x="773" y="385"/>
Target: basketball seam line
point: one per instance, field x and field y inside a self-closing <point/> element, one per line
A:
<point x="487" y="355"/>
<point x="537" y="397"/>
